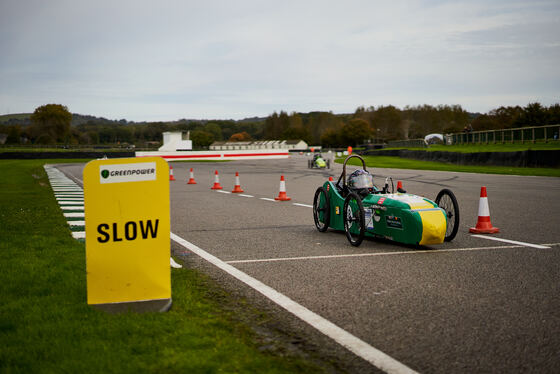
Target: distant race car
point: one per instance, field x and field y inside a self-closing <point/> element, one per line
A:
<point x="354" y="204"/>
<point x="317" y="161"/>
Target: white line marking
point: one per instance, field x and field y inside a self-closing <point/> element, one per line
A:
<point x="222" y="191"/>
<point x="78" y="215"/>
<point x="370" y="254"/>
<point x="77" y="223"/>
<point x="511" y="241"/>
<point x="342" y="337"/>
<point x="303" y="205"/>
<point x="78" y="234"/>
<point x="246" y="195"/>
<point x="69" y="208"/>
<point x="267" y="199"/>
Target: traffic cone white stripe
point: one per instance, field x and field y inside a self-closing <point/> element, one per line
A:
<point x="483" y="209"/>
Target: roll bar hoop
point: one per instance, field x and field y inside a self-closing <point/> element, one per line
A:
<point x="343" y="175"/>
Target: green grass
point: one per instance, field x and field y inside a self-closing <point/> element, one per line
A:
<point x="47" y="327"/>
<point x="404" y="163"/>
<point x="473" y="148"/>
<point x="7" y="117"/>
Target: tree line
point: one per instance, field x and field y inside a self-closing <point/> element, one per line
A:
<point x="383" y="123"/>
<point x="51" y="124"/>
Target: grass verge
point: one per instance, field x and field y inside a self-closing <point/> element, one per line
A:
<point x="404" y="163"/>
<point x="46" y="325"/>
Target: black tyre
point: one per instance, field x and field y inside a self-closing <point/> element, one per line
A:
<point x="354" y="219"/>
<point x="321" y="209"/>
<point x="446" y="200"/>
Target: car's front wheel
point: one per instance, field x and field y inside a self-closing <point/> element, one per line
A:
<point x="321" y="209"/>
<point x="447" y="201"/>
<point x="354" y="219"/>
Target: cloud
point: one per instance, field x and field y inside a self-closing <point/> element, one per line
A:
<point x="173" y="59"/>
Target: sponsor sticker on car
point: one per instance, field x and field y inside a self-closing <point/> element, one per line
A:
<point x="394" y="222"/>
<point x="369" y="218"/>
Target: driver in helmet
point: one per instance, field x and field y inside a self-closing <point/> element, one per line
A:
<point x="361" y="182"/>
<point x="319" y="161"/>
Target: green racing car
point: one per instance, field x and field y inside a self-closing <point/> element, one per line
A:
<point x="354" y="204"/>
<point x="317" y="161"/>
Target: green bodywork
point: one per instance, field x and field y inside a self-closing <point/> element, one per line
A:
<point x="404" y="218"/>
<point x="320" y="162"/>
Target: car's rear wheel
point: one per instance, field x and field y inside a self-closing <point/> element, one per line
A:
<point x="354" y="219"/>
<point x="447" y="201"/>
<point x="321" y="209"/>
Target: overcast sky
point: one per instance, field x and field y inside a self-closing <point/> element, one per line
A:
<point x="166" y="60"/>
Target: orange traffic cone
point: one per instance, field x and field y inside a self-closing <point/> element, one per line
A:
<point x="216" y="185"/>
<point x="400" y="187"/>
<point x="237" y="187"/>
<point x="191" y="180"/>
<point x="282" y="195"/>
<point x="331" y="179"/>
<point x="483" y="226"/>
<point x="171" y="177"/>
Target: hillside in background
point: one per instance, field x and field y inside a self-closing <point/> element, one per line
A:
<point x="79" y="119"/>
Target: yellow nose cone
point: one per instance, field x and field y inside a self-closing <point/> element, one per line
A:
<point x="434" y="225"/>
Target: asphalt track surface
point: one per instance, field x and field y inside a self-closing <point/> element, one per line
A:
<point x="472" y="305"/>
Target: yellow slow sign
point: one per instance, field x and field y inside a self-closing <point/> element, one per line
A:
<point x="127" y="230"/>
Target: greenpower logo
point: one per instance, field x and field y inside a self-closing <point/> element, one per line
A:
<point x="122" y="173"/>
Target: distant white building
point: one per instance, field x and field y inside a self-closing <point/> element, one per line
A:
<point x="262" y="144"/>
<point x="176" y="141"/>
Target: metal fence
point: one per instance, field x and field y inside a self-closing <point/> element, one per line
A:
<point x="519" y="135"/>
